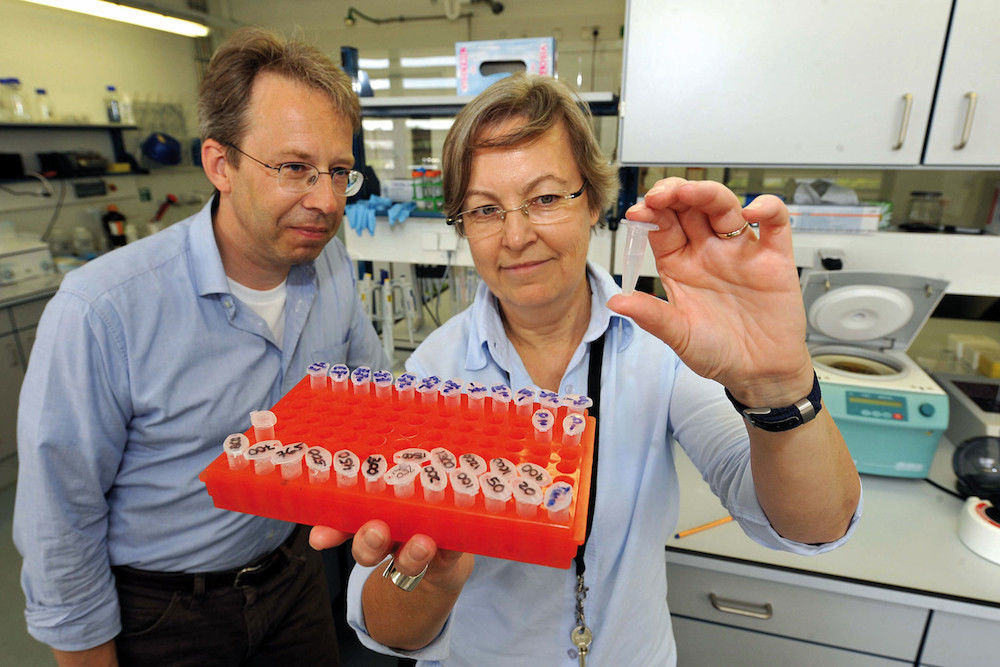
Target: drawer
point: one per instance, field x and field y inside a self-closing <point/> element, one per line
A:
<point x="861" y="624"/>
<point x="701" y="644"/>
<point x="28" y="314"/>
<point x="960" y="640"/>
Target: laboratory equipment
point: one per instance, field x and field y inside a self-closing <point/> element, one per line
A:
<point x="974" y="404"/>
<point x="22" y="258"/>
<point x="977" y="466"/>
<point x="924" y="212"/>
<point x="468" y="463"/>
<point x="635" y="248"/>
<point x="111" y="105"/>
<point x="859" y="324"/>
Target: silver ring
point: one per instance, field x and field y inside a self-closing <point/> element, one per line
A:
<point x="736" y="232"/>
<point x="403" y="581"/>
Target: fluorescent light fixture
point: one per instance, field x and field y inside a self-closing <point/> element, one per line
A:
<point x="429" y="83"/>
<point x="377" y="124"/>
<point x="379" y="84"/>
<point x="429" y="123"/>
<point x="428" y="61"/>
<point x="140" y="17"/>
<point x="373" y="63"/>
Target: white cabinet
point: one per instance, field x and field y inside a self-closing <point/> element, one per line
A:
<point x="965" y="127"/>
<point x="810" y="83"/>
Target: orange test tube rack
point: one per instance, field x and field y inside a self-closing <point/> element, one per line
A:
<point x="367" y="425"/>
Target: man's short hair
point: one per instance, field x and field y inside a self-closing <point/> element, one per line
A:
<point x="224" y="97"/>
<point x="542" y="102"/>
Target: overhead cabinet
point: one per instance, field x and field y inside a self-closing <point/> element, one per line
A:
<point x="788" y="82"/>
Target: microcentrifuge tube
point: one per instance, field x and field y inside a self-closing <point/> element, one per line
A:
<point x="573" y="426"/>
<point x="496" y="491"/>
<point x="263" y="422"/>
<point x="635" y="248"/>
<point x="527" y="496"/>
<point x="401" y="477"/>
<point x="474" y="463"/>
<point x="444" y="458"/>
<point x="360" y="378"/>
<point x="500" y="397"/>
<point x="289" y="458"/>
<point x="383" y="385"/>
<point x="451" y="393"/>
<point x="318" y="461"/>
<point x="543" y="420"/>
<point x="535" y="472"/>
<point x="548" y="400"/>
<point x="236" y="445"/>
<point x="347" y="464"/>
<point x="339" y="376"/>
<point x="373" y="469"/>
<point x="427" y="390"/>
<point x="260" y="454"/>
<point x="317" y="374"/>
<point x="524" y="402"/>
<point x="475" y="397"/>
<point x="465" y="486"/>
<point x="503" y="467"/>
<point x="404" y="387"/>
<point x="414" y="455"/>
<point x="433" y="481"/>
<point x="558" y="498"/>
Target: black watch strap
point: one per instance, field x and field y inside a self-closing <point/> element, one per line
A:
<point x="786" y="418"/>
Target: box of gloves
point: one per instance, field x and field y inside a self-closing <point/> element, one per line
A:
<point x="854" y="218"/>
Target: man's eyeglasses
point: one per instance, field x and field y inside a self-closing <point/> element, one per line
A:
<point x="482" y="221"/>
<point x="300" y="176"/>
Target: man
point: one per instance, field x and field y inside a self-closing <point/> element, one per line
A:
<point x="148" y="357"/>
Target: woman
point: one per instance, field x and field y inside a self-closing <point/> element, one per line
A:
<point x="525" y="183"/>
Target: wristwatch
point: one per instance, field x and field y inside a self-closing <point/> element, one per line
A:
<point x="786" y="418"/>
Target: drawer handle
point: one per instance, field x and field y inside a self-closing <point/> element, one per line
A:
<point x="761" y="611"/>
<point x="970" y="112"/>
<point x="907" y="105"/>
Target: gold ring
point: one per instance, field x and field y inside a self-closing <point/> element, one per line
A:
<point x="736" y="232"/>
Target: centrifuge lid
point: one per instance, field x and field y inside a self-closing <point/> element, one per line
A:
<point x="882" y="310"/>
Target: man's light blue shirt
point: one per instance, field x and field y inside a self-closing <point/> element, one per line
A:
<point x="516" y="614"/>
<point x="143" y="362"/>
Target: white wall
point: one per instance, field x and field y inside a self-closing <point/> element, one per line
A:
<point x="74" y="57"/>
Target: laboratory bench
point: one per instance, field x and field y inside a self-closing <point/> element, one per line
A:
<point x="902" y="590"/>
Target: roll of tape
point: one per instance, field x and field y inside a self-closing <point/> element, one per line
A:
<point x="979" y="532"/>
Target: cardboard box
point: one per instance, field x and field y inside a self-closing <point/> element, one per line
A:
<point x="837" y="218"/>
<point x="480" y="64"/>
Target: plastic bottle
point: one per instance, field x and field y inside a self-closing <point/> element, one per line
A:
<point x="125" y="106"/>
<point x="114" y="227"/>
<point x="12" y="105"/>
<point x="43" y="108"/>
<point x="112" y="105"/>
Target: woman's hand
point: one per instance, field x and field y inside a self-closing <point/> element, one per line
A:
<point x="446" y="570"/>
<point x="735" y="310"/>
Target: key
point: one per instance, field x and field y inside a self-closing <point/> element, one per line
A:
<point x="581" y="638"/>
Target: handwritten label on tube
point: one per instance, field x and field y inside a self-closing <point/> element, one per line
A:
<point x="534" y="472"/>
<point x="558" y="496"/>
<point x="374" y="467"/>
<point x="413" y="455"/>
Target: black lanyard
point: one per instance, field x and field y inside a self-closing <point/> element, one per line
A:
<point x="594" y="391"/>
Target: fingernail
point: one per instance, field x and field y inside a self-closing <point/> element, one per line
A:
<point x="418" y="551"/>
<point x="374" y="539"/>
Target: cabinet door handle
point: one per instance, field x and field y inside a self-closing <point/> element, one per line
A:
<point x="908" y="99"/>
<point x="970" y="111"/>
<point x="761" y="611"/>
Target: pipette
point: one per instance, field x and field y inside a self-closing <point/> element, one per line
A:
<point x="635" y="248"/>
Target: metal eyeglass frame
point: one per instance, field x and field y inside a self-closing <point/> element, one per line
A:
<point x="352" y="188"/>
<point x="523" y="208"/>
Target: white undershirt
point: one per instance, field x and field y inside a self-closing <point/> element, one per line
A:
<point x="269" y="304"/>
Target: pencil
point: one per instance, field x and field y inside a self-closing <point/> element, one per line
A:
<point x="698" y="529"/>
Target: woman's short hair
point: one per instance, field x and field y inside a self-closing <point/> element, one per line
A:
<point x="225" y="91"/>
<point x="542" y="102"/>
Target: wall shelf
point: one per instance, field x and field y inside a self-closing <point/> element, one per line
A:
<point x="600" y="103"/>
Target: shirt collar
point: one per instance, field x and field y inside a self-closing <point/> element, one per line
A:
<point x="487" y="337"/>
<point x="206" y="262"/>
